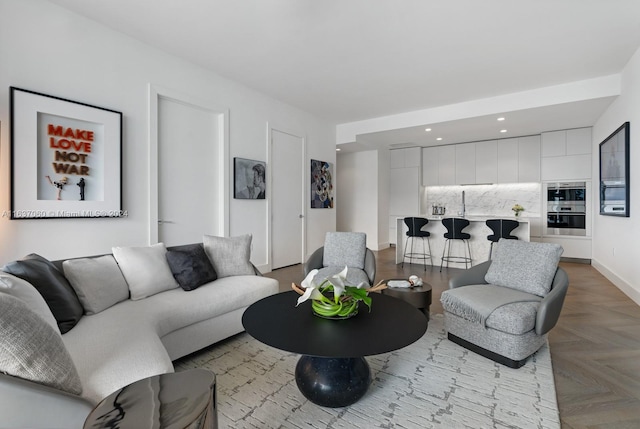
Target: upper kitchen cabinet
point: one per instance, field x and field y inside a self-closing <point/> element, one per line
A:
<point x="507" y="161"/>
<point x="401" y="158"/>
<point x="439" y="165"/>
<point x="465" y="164"/>
<point x="487" y="162"/>
<point x="566" y="154"/>
<point x="529" y="159"/>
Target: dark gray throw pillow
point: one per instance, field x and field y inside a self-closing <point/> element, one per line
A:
<point x="52" y="285"/>
<point x="191" y="267"/>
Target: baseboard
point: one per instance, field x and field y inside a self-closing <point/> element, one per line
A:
<point x="487" y="353"/>
<point x="625" y="287"/>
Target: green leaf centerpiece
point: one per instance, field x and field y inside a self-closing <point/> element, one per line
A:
<point x="333" y="298"/>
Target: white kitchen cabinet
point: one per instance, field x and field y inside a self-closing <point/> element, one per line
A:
<point x="529" y="159"/>
<point x="554" y="143"/>
<point x="508" y="160"/>
<point x="566" y="155"/>
<point x="487" y="162"/>
<point x="447" y="165"/>
<point x="430" y="169"/>
<point x="465" y="164"/>
<point x="579" y="141"/>
<point x="574" y="247"/>
<point x="408" y="157"/>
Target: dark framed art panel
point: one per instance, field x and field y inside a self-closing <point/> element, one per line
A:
<point x="66" y="158"/>
<point x="249" y="179"/>
<point x="614" y="173"/>
<point x="321" y="185"/>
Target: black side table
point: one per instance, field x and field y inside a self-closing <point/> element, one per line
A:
<point x="178" y="400"/>
<point x="332" y="371"/>
<point x="419" y="296"/>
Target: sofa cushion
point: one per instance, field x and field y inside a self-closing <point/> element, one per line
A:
<point x="230" y="256"/>
<point x="526" y="266"/>
<point x="344" y="249"/>
<point x="191" y="267"/>
<point x="23" y="290"/>
<point x="30" y="348"/>
<point x="98" y="282"/>
<point x="52" y="285"/>
<point x="145" y="269"/>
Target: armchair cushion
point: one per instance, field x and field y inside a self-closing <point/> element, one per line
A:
<point x="525" y="266"/>
<point x="354" y="277"/>
<point x="345" y="249"/>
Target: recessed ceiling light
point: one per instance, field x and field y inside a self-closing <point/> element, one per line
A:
<point x="338" y="149"/>
<point x="503" y="131"/>
<point x="427" y="129"/>
<point x="501" y="119"/>
<point x="439" y="138"/>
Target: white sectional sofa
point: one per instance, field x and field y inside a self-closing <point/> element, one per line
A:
<point x="128" y="341"/>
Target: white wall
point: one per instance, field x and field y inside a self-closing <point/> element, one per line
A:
<point x="615" y="240"/>
<point x="357" y="209"/>
<point x="383" y="199"/>
<point x="47" y="49"/>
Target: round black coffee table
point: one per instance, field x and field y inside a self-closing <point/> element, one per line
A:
<point x="332" y="371"/>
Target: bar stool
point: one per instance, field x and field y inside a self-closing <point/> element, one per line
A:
<point x="454" y="232"/>
<point x="501" y="229"/>
<point x="415" y="225"/>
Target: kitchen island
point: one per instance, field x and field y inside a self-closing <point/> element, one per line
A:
<point x="478" y="242"/>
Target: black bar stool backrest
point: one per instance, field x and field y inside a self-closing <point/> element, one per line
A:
<point x="415" y="225"/>
<point x="502" y="228"/>
<point x="454" y="228"/>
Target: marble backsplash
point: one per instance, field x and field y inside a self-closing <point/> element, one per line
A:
<point x="484" y="200"/>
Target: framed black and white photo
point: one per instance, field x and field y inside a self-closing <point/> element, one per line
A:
<point x="65" y="158"/>
<point x="249" y="179"/>
<point x="614" y="173"/>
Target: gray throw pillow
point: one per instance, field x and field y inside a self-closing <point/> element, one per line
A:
<point x="344" y="249"/>
<point x="191" y="267"/>
<point x="523" y="265"/>
<point x="32" y="349"/>
<point x="145" y="269"/>
<point x="230" y="256"/>
<point x="98" y="282"/>
<point x="23" y="290"/>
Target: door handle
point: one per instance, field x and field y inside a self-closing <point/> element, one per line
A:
<point x="300" y="216"/>
<point x="160" y="222"/>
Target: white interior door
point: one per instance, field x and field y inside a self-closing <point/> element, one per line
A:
<point x="287" y="206"/>
<point x="188" y="188"/>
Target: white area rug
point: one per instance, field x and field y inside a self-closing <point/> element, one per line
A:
<point x="432" y="383"/>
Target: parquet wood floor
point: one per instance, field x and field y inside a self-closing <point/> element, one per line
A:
<point x="595" y="347"/>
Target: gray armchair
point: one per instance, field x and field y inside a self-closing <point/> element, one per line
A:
<point x="343" y="249"/>
<point x="503" y="309"/>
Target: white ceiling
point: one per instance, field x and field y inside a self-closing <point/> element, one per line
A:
<point x="349" y="60"/>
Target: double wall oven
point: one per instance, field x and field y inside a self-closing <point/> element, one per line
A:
<point x="566" y="208"/>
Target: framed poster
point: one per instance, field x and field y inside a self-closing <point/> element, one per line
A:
<point x="321" y="185"/>
<point x="66" y="158"/>
<point x="614" y="173"/>
<point x="249" y="179"/>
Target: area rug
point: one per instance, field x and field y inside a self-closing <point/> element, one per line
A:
<point x="432" y="383"/>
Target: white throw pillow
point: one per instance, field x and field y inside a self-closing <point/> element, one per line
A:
<point x="25" y="291"/>
<point x="98" y="282"/>
<point x="229" y="255"/>
<point x="145" y="269"/>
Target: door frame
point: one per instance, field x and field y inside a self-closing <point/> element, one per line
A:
<point x="303" y="209"/>
<point x="156" y="93"/>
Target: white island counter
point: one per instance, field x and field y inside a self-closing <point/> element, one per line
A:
<point x="477" y="228"/>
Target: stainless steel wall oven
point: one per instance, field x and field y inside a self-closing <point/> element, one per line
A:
<point x="566" y="208"/>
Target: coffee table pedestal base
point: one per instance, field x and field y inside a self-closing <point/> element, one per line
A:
<point x="333" y="382"/>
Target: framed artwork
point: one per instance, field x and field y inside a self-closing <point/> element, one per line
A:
<point x="249" y="179"/>
<point x="321" y="185"/>
<point x="614" y="173"/>
<point x="66" y="158"/>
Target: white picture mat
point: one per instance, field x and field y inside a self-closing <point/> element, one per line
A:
<point x="25" y="175"/>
